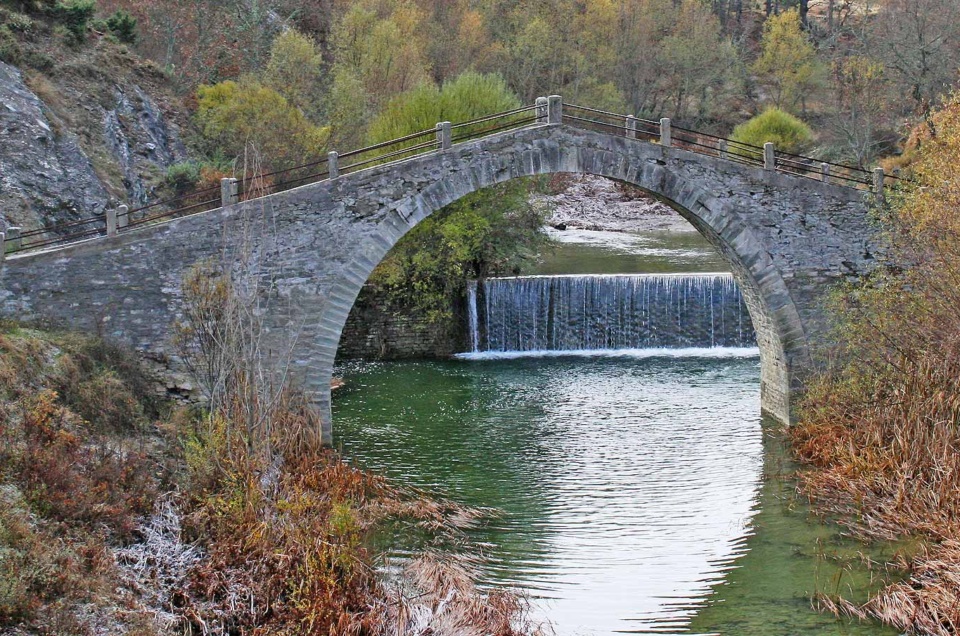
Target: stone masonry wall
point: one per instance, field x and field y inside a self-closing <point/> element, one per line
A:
<point x="374" y="331"/>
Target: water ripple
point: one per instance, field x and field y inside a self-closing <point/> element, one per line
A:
<point x="627" y="484"/>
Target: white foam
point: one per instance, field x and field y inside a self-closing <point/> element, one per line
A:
<point x="687" y="352"/>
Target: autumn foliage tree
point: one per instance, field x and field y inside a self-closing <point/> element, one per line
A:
<point x="788" y="64"/>
<point x="245" y="115"/>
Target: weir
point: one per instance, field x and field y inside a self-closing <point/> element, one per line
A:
<point x="608" y="312"/>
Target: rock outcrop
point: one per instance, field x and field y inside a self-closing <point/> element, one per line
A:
<point x="45" y="176"/>
<point x="140" y="140"/>
<point x="592" y="203"/>
<point x="84" y="138"/>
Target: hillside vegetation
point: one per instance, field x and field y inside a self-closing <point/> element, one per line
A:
<point x="234" y="88"/>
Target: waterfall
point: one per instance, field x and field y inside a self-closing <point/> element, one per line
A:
<point x="473" y="317"/>
<point x="608" y="312"/>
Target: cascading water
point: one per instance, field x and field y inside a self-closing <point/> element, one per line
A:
<point x="473" y="316"/>
<point x="608" y="312"/>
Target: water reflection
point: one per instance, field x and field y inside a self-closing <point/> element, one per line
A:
<point x="627" y="485"/>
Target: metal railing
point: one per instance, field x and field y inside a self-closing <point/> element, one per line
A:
<point x="767" y="157"/>
<point x="443" y="136"/>
<point x="230" y="191"/>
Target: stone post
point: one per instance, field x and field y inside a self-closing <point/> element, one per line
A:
<point x="333" y="165"/>
<point x="722" y="148"/>
<point x="111" y="214"/>
<point x="666" y="139"/>
<point x="632" y="127"/>
<point x="13" y="241"/>
<point x="123" y="217"/>
<point x="825" y="172"/>
<point x="769" y="156"/>
<point x="444" y="137"/>
<point x="229" y="192"/>
<point x="878" y="178"/>
<point x="554" y="109"/>
<point x="542" y="106"/>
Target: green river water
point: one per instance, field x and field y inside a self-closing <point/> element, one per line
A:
<point x="636" y="494"/>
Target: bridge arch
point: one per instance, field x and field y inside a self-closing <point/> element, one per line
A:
<point x="781" y="338"/>
<point x="787" y="239"/>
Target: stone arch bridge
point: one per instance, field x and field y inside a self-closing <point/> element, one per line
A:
<point x="789" y="229"/>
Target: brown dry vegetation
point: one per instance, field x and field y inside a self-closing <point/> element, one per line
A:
<point x="71" y="485"/>
<point x="882" y="428"/>
<point x="119" y="514"/>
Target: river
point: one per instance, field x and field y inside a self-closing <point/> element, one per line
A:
<point x="638" y="488"/>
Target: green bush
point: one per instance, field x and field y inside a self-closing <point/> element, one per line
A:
<point x="9" y="46"/>
<point x="787" y="133"/>
<point x="76" y="16"/>
<point x="182" y="177"/>
<point x="469" y="96"/>
<point x="124" y="26"/>
<point x="17" y="22"/>
<point x="38" y="60"/>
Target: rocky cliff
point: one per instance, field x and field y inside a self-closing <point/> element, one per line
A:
<point x="96" y="128"/>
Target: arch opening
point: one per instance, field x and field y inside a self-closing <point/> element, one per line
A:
<point x="775" y="319"/>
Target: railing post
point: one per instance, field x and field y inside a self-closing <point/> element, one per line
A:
<point x="554" y="109"/>
<point x="229" y="192"/>
<point x="825" y="172"/>
<point x="769" y="156"/>
<point x="632" y="127"/>
<point x="13" y="238"/>
<point x="111" y="214"/>
<point x="542" y="109"/>
<point x="123" y="217"/>
<point x="878" y="179"/>
<point x="3" y="248"/>
<point x="333" y="165"/>
<point x="444" y="138"/>
<point x="722" y="148"/>
<point x="666" y="138"/>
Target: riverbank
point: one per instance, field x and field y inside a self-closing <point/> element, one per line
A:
<point x="880" y="428"/>
<point x="123" y="513"/>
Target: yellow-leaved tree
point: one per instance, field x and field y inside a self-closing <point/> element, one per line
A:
<point x="238" y="117"/>
<point x="295" y="70"/>
<point x="788" y="63"/>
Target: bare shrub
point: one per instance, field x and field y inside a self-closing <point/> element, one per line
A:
<point x="220" y="338"/>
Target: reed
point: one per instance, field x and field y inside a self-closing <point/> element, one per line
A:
<point x="881" y="427"/>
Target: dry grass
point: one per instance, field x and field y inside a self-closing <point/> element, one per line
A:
<point x="208" y="533"/>
<point x="881" y="429"/>
<point x="69" y="493"/>
<point x="286" y="541"/>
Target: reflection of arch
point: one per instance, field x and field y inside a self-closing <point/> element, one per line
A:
<point x="780" y="332"/>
